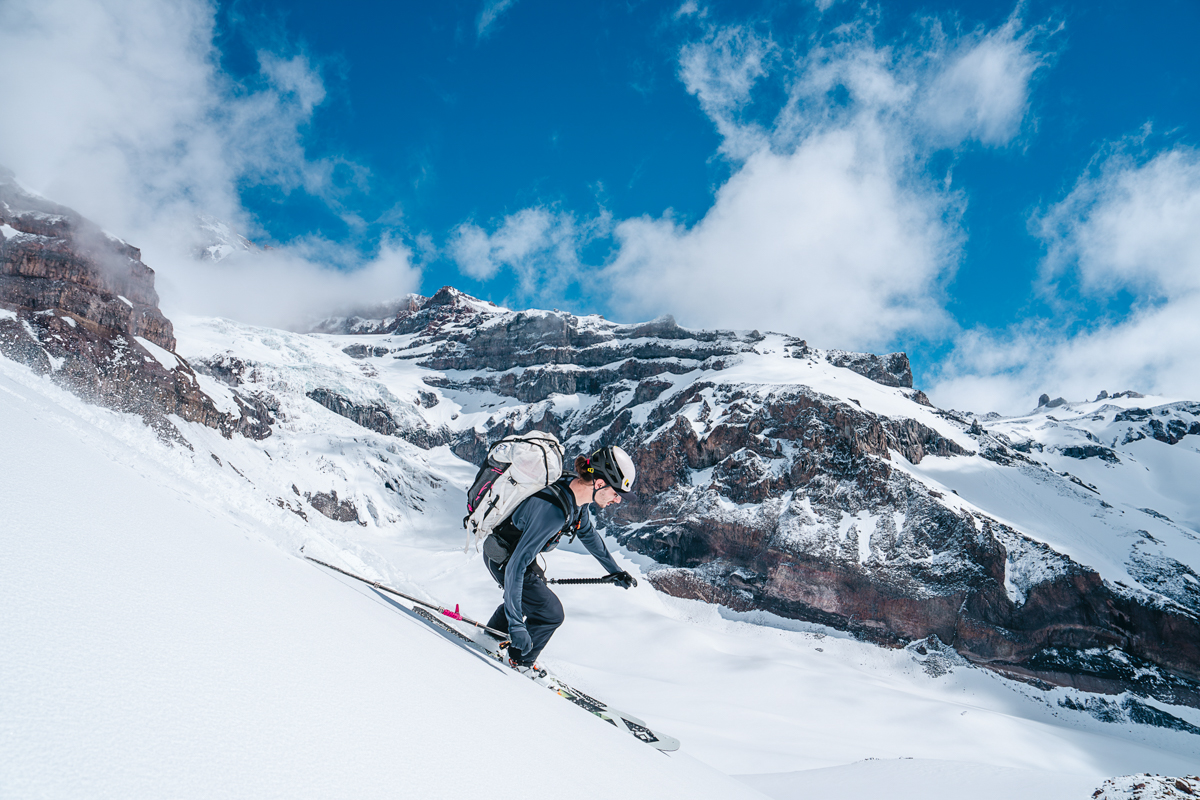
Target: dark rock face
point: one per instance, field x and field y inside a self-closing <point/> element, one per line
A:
<point x="362" y="351"/>
<point x="1090" y="451"/>
<point x="227" y="368"/>
<point x="1130" y="710"/>
<point x="329" y="505"/>
<point x="890" y="370"/>
<point x="78" y="300"/>
<point x="58" y="260"/>
<point x="1171" y="423"/>
<point x="373" y="417"/>
<point x="779" y="497"/>
<point x="378" y="418"/>
<point x="117" y="372"/>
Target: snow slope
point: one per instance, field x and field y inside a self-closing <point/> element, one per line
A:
<point x="158" y="646"/>
<point x="168" y="642"/>
<point x="919" y="779"/>
<point x="1123" y="511"/>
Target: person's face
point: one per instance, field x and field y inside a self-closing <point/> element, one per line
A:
<point x="606" y="495"/>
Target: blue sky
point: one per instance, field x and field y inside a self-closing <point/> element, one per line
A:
<point x="580" y="107"/>
<point x="930" y="176"/>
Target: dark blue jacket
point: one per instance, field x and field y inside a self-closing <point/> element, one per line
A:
<point x="539" y="521"/>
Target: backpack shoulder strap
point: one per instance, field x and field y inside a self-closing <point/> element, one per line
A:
<point x="558" y="496"/>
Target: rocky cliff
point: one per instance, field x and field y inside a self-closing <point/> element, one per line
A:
<point x="79" y="305"/>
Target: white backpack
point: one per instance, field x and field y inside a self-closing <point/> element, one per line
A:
<point x="517" y="467"/>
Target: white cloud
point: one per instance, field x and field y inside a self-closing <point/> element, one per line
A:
<point x="118" y="108"/>
<point x="471" y="248"/>
<point x="823" y="242"/>
<point x="294" y="286"/>
<point x="982" y="90"/>
<point x="1131" y="224"/>
<point x="830" y="226"/>
<point x="488" y="15"/>
<point x="540" y="246"/>
<point x="721" y="72"/>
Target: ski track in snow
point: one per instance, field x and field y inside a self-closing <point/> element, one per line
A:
<point x="166" y="640"/>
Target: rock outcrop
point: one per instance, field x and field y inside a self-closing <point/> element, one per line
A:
<point x="79" y="305"/>
<point x="1145" y="786"/>
<point x="377" y="417"/>
<point x="52" y="258"/>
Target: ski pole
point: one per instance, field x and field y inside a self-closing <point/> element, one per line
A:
<point x="605" y="579"/>
<point x="377" y="585"/>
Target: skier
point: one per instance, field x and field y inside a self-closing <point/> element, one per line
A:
<point x="531" y="612"/>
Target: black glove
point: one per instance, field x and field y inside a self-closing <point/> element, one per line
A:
<point x="622" y="579"/>
<point x="520" y="640"/>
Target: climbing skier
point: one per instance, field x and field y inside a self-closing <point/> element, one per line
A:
<point x="531" y="612"/>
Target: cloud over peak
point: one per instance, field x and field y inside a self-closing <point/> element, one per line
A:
<point x="120" y="110"/>
<point x="831" y="225"/>
<point x="1130" y="228"/>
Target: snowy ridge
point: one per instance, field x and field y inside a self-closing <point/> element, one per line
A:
<point x="1094" y="471"/>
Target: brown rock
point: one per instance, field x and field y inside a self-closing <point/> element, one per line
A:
<point x="82" y="298"/>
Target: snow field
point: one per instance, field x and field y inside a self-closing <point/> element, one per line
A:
<point x="155" y="648"/>
<point x="288" y="676"/>
<point x="919" y="779"/>
<point x="748" y="698"/>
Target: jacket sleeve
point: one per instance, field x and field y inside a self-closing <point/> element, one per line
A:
<point x="539" y="521"/>
<point x="594" y="544"/>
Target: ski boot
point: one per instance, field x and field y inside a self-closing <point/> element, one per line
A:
<point x="534" y="672"/>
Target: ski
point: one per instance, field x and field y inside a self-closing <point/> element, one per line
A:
<point x="618" y="719"/>
<point x="490" y="652"/>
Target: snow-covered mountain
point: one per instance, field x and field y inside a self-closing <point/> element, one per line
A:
<point x="216" y="241"/>
<point x="819" y="485"/>
<point x="796" y="509"/>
